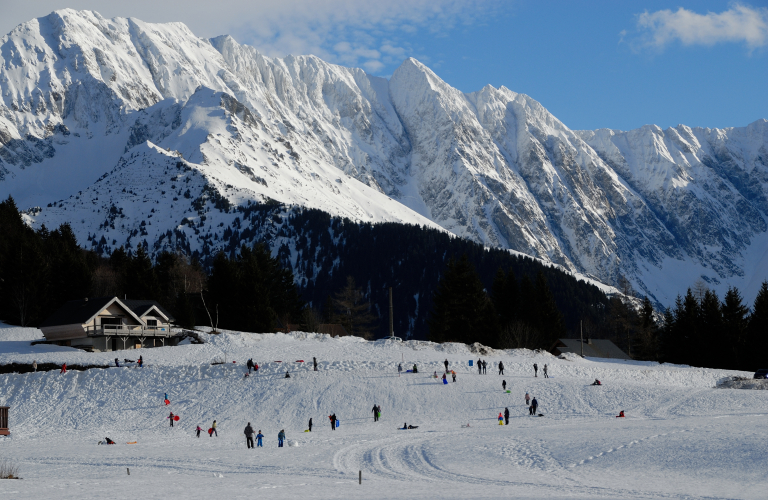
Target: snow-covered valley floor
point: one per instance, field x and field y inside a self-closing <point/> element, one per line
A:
<point x="681" y="437"/>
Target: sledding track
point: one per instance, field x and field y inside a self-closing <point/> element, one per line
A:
<point x="681" y="437"/>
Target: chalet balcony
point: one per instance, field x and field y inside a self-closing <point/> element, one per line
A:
<point x="129" y="331"/>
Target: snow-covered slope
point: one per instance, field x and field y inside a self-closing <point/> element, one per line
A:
<point x="82" y="95"/>
<point x="681" y="437"/>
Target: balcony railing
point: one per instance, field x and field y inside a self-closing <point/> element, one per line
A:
<point x="129" y="331"/>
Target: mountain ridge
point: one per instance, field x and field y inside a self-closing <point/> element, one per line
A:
<point x="659" y="207"/>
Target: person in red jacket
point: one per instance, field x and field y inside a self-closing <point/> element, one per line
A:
<point x="63" y="368"/>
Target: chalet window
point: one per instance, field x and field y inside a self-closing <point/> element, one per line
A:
<point x="152" y="322"/>
<point x="111" y="323"/>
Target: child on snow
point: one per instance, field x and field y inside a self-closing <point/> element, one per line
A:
<point x="258" y="439"/>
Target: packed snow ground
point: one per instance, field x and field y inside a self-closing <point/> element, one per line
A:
<point x="681" y="438"/>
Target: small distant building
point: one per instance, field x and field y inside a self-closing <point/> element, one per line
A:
<point x="110" y="324"/>
<point x="593" y="348"/>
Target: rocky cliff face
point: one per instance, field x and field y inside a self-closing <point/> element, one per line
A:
<point x="145" y="103"/>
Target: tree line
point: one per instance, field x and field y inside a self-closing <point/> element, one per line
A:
<point x="515" y="314"/>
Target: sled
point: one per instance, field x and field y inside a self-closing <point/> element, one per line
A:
<point x="132" y="442"/>
<point x="338" y="423"/>
<point x="445" y="381"/>
<point x="176" y="418"/>
<point x="508" y="392"/>
<point x="306" y="430"/>
<point x="167" y="402"/>
<point x="210" y="431"/>
<point x="464" y="426"/>
<point x="299" y="360"/>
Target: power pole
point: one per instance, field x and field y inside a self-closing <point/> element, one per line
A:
<point x="391" y="323"/>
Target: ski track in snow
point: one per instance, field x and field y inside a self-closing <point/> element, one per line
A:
<point x="682" y="438"/>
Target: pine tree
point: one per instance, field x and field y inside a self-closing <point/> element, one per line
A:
<point x="462" y="311"/>
<point x="548" y="320"/>
<point x="648" y="333"/>
<point x="708" y="345"/>
<point x="734" y="329"/>
<point x="757" y="339"/>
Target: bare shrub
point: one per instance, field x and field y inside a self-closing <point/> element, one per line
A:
<point x="8" y="469"/>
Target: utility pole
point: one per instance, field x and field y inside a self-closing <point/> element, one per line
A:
<point x="581" y="332"/>
<point x="391" y="323"/>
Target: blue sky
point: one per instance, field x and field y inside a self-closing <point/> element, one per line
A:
<point x="592" y="64"/>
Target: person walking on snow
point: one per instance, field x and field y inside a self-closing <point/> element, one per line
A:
<point x="248" y="436"/>
<point x="280" y="438"/>
<point x="453" y="374"/>
<point x="170" y="417"/>
<point x="197" y="431"/>
<point x="534" y="405"/>
<point x="446" y="365"/>
<point x="445" y="381"/>
<point x="501" y="368"/>
<point x="479" y="367"/>
<point x="535" y="370"/>
<point x="213" y="430"/>
<point x="375" y="413"/>
<point x="485" y="366"/>
<point x="249" y="365"/>
<point x="117" y="363"/>
<point x="34" y="365"/>
<point x="527" y="399"/>
<point x="314" y="361"/>
<point x="501" y="419"/>
<point x="63" y="368"/>
<point x="258" y="439"/>
<point x="310" y="425"/>
<point x="506" y="416"/>
<point x="141" y="361"/>
<point x="545" y="371"/>
<point x="503" y="385"/>
<point x="332" y="417"/>
<point x="399" y="369"/>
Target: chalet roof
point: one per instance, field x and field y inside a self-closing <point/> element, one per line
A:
<point x="141" y="307"/>
<point x="77" y="311"/>
<point x="593" y="348"/>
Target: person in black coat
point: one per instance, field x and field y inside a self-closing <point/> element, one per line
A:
<point x="535" y="370"/>
<point x="501" y="368"/>
<point x="333" y="421"/>
<point x="503" y="385"/>
<point x="375" y="413"/>
<point x="446" y="365"/>
<point x="485" y="366"/>
<point x="314" y="360"/>
<point x="310" y="425"/>
<point x="506" y="416"/>
<point x="534" y="405"/>
<point x="249" y="364"/>
<point x="248" y="435"/>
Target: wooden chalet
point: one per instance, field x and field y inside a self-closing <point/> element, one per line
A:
<point x="110" y="324"/>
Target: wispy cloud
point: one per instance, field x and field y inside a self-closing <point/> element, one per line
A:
<point x="739" y="24"/>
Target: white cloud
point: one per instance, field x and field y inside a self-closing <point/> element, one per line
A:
<point x="740" y="24"/>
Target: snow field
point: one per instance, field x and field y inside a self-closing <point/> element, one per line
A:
<point x="681" y="438"/>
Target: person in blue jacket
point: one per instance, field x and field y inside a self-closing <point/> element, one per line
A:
<point x="280" y="438"/>
<point x="258" y="439"/>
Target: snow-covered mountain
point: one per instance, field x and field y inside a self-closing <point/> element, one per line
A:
<point x="186" y="128"/>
